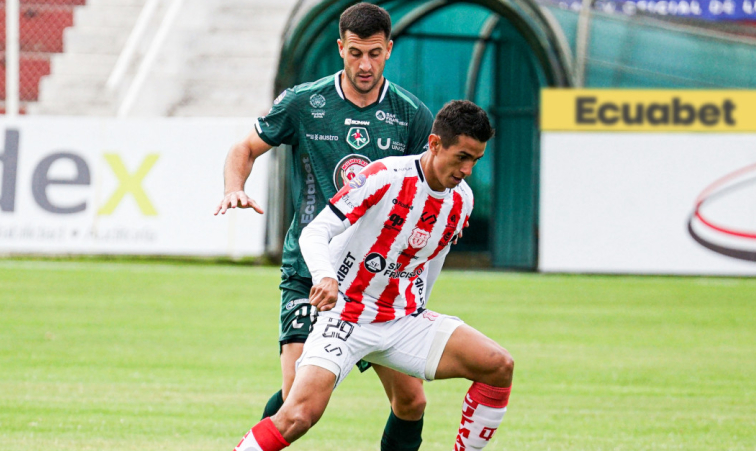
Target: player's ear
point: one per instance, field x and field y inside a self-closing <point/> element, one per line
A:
<point x="434" y="143"/>
<point x="341" y="47"/>
<point x="389" y="48"/>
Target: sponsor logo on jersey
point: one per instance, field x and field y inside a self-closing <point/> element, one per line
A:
<point x="348" y="168"/>
<point x="316" y="137"/>
<point x="317" y="101"/>
<point x="309" y="203"/>
<point x="291" y="304"/>
<point x="402" y="204"/>
<point x="279" y="98"/>
<point x="358" y="137"/>
<point x="375" y="262"/>
<point x="389" y="118"/>
<point x="394" y="271"/>
<point x="318" y="114"/>
<point x="400" y="147"/>
<point x="419" y="238"/>
<point x="355" y="122"/>
<point x="345" y="267"/>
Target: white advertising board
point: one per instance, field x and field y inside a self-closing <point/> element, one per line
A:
<point x="653" y="203"/>
<point x="115" y="186"/>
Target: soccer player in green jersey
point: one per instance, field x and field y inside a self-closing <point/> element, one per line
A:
<point x="335" y="127"/>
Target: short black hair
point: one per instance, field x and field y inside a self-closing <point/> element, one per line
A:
<point x="365" y="20"/>
<point x="461" y="117"/>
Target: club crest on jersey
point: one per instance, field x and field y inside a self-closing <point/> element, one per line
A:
<point x="347" y="169"/>
<point x="358" y="137"/>
<point x="375" y="262"/>
<point x="317" y="101"/>
<point x="419" y="238"/>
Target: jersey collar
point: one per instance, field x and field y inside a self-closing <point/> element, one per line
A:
<point x="340" y="92"/>
<point x="421" y="176"/>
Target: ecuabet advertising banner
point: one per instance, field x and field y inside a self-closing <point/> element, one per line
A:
<point x="665" y="202"/>
<point x="123" y="186"/>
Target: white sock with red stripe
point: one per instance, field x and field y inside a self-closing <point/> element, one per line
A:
<point x="482" y="412"/>
<point x="262" y="437"/>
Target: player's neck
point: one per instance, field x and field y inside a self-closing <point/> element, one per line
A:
<point x="359" y="99"/>
<point x="426" y="163"/>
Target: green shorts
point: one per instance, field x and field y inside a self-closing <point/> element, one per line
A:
<point x="297" y="316"/>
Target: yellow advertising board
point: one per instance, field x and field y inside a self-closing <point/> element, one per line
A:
<point x="648" y="110"/>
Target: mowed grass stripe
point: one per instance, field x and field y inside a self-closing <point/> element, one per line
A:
<point x="145" y="356"/>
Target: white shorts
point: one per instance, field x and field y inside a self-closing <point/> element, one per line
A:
<point x="412" y="344"/>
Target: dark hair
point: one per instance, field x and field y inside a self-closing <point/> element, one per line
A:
<point x="365" y="20"/>
<point x="461" y="117"/>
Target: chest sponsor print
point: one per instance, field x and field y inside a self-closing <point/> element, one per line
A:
<point x="375" y="262"/>
<point x="347" y="169"/>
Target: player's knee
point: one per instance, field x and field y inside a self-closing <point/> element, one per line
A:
<point x="410" y="406"/>
<point x="501" y="367"/>
<point x="299" y="420"/>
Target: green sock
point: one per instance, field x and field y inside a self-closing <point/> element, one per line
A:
<point x="402" y="435"/>
<point x="274" y="403"/>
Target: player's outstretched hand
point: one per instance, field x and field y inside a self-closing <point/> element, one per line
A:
<point x="237" y="199"/>
<point x="459" y="235"/>
<point x="324" y="294"/>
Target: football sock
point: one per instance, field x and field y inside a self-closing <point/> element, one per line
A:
<point x="482" y="412"/>
<point x="402" y="435"/>
<point x="274" y="403"/>
<point x="262" y="437"/>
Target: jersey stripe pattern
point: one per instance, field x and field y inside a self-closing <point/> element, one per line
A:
<point x="398" y="223"/>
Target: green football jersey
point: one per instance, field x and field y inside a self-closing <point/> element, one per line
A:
<point x="332" y="139"/>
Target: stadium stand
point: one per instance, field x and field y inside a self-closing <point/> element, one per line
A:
<point x="41" y="27"/>
<point x="219" y="59"/>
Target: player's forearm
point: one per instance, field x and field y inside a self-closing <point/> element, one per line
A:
<point x="314" y="244"/>
<point x="239" y="164"/>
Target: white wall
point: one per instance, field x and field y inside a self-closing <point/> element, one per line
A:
<point x="183" y="187"/>
<point x="622" y="202"/>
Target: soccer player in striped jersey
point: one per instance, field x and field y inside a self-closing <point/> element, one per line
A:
<point x="336" y="126"/>
<point x="374" y="254"/>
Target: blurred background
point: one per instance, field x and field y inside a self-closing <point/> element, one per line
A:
<point x="157" y="332"/>
<point x="128" y="83"/>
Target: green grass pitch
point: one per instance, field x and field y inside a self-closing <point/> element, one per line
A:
<point x="140" y="356"/>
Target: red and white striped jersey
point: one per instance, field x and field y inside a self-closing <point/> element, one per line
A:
<point x="396" y="233"/>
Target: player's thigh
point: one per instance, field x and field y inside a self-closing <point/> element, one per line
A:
<point x="405" y="392"/>
<point x="413" y="345"/>
<point x="471" y="355"/>
<point x="290" y="353"/>
<point x="297" y="316"/>
<point x="307" y="401"/>
<point x="336" y="345"/>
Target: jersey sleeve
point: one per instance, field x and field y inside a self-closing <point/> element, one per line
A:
<point x="279" y="125"/>
<point x="366" y="189"/>
<point x="420" y="129"/>
<point x="314" y="244"/>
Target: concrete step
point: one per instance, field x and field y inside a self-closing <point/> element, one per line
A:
<point x="240" y="44"/>
<point x="232" y="68"/>
<point x="94" y="64"/>
<point x="106" y="17"/>
<point x="262" y="22"/>
<point x="97" y="40"/>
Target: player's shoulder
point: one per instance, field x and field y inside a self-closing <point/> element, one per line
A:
<point x="306" y="92"/>
<point x="402" y="96"/>
<point x="466" y="192"/>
